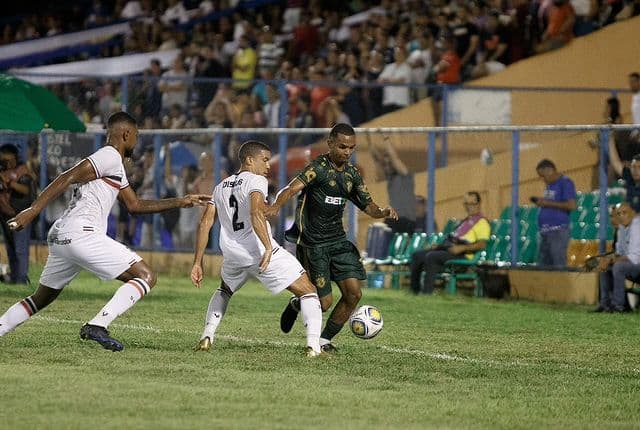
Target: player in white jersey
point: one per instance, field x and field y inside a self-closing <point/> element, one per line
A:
<point x="78" y="239"/>
<point x="248" y="249"/>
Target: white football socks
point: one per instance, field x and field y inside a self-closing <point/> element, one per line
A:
<point x="16" y="315"/>
<point x="125" y="297"/>
<point x="215" y="312"/>
<point x="312" y="319"/>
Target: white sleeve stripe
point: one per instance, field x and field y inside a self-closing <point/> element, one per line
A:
<point x="95" y="168"/>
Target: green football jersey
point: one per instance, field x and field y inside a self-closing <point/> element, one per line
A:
<point x="322" y="201"/>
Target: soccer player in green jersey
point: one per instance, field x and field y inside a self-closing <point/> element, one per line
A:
<point x="325" y="185"/>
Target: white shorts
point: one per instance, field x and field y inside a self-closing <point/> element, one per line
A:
<point x="96" y="252"/>
<point x="282" y="271"/>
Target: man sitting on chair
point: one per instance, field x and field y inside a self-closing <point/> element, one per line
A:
<point x="470" y="236"/>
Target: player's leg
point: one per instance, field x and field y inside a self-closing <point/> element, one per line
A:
<point x="233" y="278"/>
<point x="316" y="262"/>
<point x="109" y="259"/>
<point x="347" y="271"/>
<point x="57" y="273"/>
<point x="311" y="311"/>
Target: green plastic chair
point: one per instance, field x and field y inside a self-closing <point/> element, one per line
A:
<point x="397" y="246"/>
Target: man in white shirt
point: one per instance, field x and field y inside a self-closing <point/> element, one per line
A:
<point x="248" y="249"/>
<point x="78" y="239"/>
<point x="396" y="96"/>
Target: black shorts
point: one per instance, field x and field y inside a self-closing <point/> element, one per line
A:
<point x="335" y="262"/>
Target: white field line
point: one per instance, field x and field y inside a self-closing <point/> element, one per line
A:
<point x="405" y="351"/>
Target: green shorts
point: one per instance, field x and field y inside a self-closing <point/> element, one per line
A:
<point x="335" y="262"/>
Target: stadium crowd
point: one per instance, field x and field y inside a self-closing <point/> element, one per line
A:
<point x="350" y="43"/>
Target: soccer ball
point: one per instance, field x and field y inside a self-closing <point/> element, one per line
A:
<point x="366" y="322"/>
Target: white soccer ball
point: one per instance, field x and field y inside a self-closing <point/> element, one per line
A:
<point x="366" y="322"/>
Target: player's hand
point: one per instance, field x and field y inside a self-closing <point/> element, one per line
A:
<point x="603" y="264"/>
<point x="266" y="258"/>
<point x="390" y="212"/>
<point x="19" y="221"/>
<point x="196" y="275"/>
<point x="191" y="200"/>
<point x="271" y="211"/>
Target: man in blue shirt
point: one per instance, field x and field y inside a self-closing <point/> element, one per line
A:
<point x="553" y="220"/>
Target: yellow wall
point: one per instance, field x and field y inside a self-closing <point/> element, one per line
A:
<point x="601" y="60"/>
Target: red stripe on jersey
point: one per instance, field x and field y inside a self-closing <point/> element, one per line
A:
<point x="112" y="183"/>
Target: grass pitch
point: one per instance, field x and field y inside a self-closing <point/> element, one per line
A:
<point x="440" y="362"/>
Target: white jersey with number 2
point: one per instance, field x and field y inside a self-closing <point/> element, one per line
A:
<point x="232" y="199"/>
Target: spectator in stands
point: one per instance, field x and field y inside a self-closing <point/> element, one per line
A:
<point x="493" y="56"/>
<point x="372" y="66"/>
<point x="559" y="32"/>
<point x="173" y="85"/>
<point x="447" y="72"/>
<point x="243" y="68"/>
<point x="400" y="183"/>
<point x="630" y="174"/>
<point x="420" y="62"/>
<point x="175" y="14"/>
<point x="467" y="40"/>
<point x="586" y="11"/>
<point x="468" y="238"/>
<point x="623" y="264"/>
<point x="269" y="53"/>
<point x="396" y="96"/>
<point x="558" y="201"/>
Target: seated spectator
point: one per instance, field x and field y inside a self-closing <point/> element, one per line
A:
<point x="621" y="265"/>
<point x="468" y="238"/>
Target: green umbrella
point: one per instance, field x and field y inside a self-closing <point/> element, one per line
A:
<point x="28" y="107"/>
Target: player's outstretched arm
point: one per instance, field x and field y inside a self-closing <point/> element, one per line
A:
<point x="79" y="174"/>
<point x="202" y="237"/>
<point x="374" y="211"/>
<point x="259" y="223"/>
<point x="136" y="206"/>
<point x="283" y="196"/>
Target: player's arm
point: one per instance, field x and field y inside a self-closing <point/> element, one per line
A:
<point x="136" y="206"/>
<point x="375" y="211"/>
<point x="614" y="157"/>
<point x="202" y="237"/>
<point x="79" y="174"/>
<point x="259" y="223"/>
<point x="283" y="196"/>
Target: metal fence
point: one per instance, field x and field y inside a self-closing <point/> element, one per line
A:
<point x="51" y="153"/>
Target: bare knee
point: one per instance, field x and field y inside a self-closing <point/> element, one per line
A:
<point x="352" y="296"/>
<point x="142" y="271"/>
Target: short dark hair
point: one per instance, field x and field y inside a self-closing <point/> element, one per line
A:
<point x="251" y="148"/>
<point x="119" y="117"/>
<point x="341" y="128"/>
<point x="635" y="75"/>
<point x="543" y="164"/>
<point x="635" y="157"/>
<point x="476" y="195"/>
<point x="9" y="148"/>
